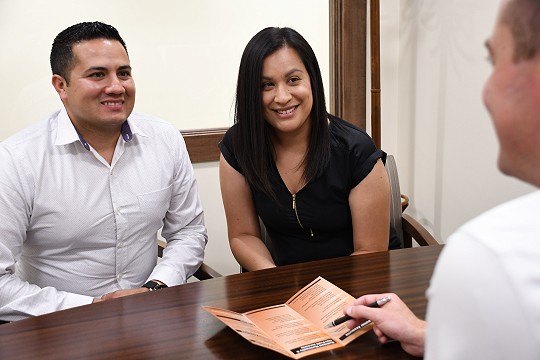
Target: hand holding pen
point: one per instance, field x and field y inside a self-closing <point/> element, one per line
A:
<point x="392" y="322"/>
<point x="374" y="304"/>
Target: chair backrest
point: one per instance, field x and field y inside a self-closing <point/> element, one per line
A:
<point x="266" y="238"/>
<point x="204" y="272"/>
<point x="406" y="226"/>
<point x="396" y="208"/>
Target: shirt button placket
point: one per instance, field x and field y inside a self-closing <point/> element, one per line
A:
<point x="115" y="192"/>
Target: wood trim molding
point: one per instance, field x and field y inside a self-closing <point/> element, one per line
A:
<point x="348" y="38"/>
<point x="202" y="145"/>
<point x="375" y="57"/>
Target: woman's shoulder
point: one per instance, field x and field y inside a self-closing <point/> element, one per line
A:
<point x="347" y="135"/>
<point x="230" y="130"/>
<point x="228" y="137"/>
<point x="227" y="148"/>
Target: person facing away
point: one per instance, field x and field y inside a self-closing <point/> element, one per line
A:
<point x="84" y="193"/>
<point x="484" y="296"/>
<point x="317" y="182"/>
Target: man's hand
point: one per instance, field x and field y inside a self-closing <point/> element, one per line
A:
<point x="122" y="293"/>
<point x="394" y="320"/>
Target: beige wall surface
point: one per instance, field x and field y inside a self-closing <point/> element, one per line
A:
<point x="184" y="54"/>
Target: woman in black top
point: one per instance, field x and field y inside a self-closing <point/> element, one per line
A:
<point x="317" y="182"/>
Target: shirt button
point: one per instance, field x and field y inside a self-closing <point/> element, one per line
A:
<point x="119" y="276"/>
<point x="118" y="210"/>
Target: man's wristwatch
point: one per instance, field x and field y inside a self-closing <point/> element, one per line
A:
<point x="153" y="285"/>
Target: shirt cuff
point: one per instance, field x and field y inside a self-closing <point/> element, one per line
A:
<point x="71" y="300"/>
<point x="166" y="275"/>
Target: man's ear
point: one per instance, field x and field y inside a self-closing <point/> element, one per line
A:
<point x="60" y="85"/>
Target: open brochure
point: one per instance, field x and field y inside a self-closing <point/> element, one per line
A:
<point x="296" y="328"/>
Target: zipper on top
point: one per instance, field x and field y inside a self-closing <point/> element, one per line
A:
<point x="296" y="213"/>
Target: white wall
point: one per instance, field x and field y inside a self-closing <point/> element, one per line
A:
<point x="433" y="68"/>
<point x="185" y="56"/>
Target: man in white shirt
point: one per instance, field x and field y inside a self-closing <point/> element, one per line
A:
<point x="484" y="296"/>
<point x="84" y="193"/>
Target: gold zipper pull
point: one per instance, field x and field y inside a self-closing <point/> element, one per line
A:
<point x="297" y="217"/>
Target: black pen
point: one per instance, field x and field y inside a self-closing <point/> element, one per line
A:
<point x="342" y="319"/>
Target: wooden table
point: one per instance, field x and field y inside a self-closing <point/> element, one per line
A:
<point x="170" y="323"/>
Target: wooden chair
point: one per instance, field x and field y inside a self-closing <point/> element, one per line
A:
<point x="204" y="272"/>
<point x="406" y="226"/>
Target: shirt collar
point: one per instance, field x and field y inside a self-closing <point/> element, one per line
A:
<point x="67" y="134"/>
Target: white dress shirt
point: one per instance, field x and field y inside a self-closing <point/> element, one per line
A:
<point x="73" y="227"/>
<point x="484" y="297"/>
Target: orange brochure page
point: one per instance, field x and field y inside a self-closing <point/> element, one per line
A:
<point x="296" y="328"/>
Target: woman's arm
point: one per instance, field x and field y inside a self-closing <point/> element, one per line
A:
<point x="370" y="210"/>
<point x="242" y="221"/>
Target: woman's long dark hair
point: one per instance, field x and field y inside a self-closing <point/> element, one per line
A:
<point x="252" y="139"/>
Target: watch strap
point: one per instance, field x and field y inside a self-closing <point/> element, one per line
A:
<point x="153" y="285"/>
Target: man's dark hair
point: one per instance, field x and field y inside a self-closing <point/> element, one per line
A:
<point x="252" y="139"/>
<point x="62" y="58"/>
<point x="523" y="19"/>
